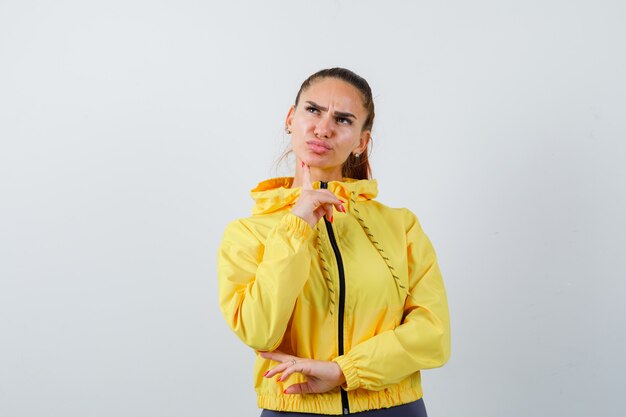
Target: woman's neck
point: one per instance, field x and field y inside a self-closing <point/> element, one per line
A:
<point x="317" y="174"/>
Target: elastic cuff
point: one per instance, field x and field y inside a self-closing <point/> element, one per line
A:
<point x="296" y="225"/>
<point x="349" y="372"/>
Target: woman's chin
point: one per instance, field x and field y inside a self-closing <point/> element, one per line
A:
<point x="314" y="160"/>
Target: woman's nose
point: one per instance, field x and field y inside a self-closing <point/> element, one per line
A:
<point x="323" y="128"/>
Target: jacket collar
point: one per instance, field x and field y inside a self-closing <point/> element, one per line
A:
<point x="275" y="194"/>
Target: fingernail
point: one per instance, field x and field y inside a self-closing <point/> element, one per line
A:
<point x="284" y="391"/>
<point x="266" y="372"/>
<point x="302" y="164"/>
<point x="331" y="219"/>
<point x="342" y="209"/>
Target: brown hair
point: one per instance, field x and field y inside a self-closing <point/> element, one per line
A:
<point x="353" y="167"/>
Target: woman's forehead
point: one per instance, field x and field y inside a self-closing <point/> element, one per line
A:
<point x="332" y="91"/>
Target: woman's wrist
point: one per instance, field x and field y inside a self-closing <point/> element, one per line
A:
<point x="303" y="217"/>
<point x="341" y="378"/>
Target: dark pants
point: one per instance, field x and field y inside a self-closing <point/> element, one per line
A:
<point x="414" y="409"/>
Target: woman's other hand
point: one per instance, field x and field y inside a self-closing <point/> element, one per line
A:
<point x="313" y="204"/>
<point x="322" y="376"/>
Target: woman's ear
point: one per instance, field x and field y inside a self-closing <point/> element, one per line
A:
<point x="364" y="140"/>
<point x="289" y="118"/>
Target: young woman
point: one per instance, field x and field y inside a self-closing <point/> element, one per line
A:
<point x="340" y="295"/>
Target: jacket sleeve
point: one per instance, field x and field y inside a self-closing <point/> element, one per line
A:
<point x="421" y="341"/>
<point x="259" y="282"/>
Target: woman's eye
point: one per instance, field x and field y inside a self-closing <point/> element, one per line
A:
<point x="312" y="109"/>
<point x="344" y="121"/>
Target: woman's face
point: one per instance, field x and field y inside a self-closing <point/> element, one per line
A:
<point x="326" y="126"/>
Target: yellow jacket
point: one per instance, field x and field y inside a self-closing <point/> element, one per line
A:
<point x="364" y="291"/>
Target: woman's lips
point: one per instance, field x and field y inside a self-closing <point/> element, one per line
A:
<point x="318" y="146"/>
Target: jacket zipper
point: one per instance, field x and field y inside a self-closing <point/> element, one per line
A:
<point x="342" y="299"/>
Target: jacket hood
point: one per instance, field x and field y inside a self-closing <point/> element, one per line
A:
<point x="275" y="194"/>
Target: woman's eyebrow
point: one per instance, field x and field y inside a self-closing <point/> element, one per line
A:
<point x="337" y="113"/>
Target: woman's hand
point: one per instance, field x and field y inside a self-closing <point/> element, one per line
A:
<point x="313" y="204"/>
<point x="322" y="376"/>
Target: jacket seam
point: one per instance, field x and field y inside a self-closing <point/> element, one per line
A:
<point x="378" y="247"/>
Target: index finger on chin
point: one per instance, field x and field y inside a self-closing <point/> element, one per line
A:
<point x="307" y="184"/>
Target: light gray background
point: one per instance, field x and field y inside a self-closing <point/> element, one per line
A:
<point x="131" y="132"/>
